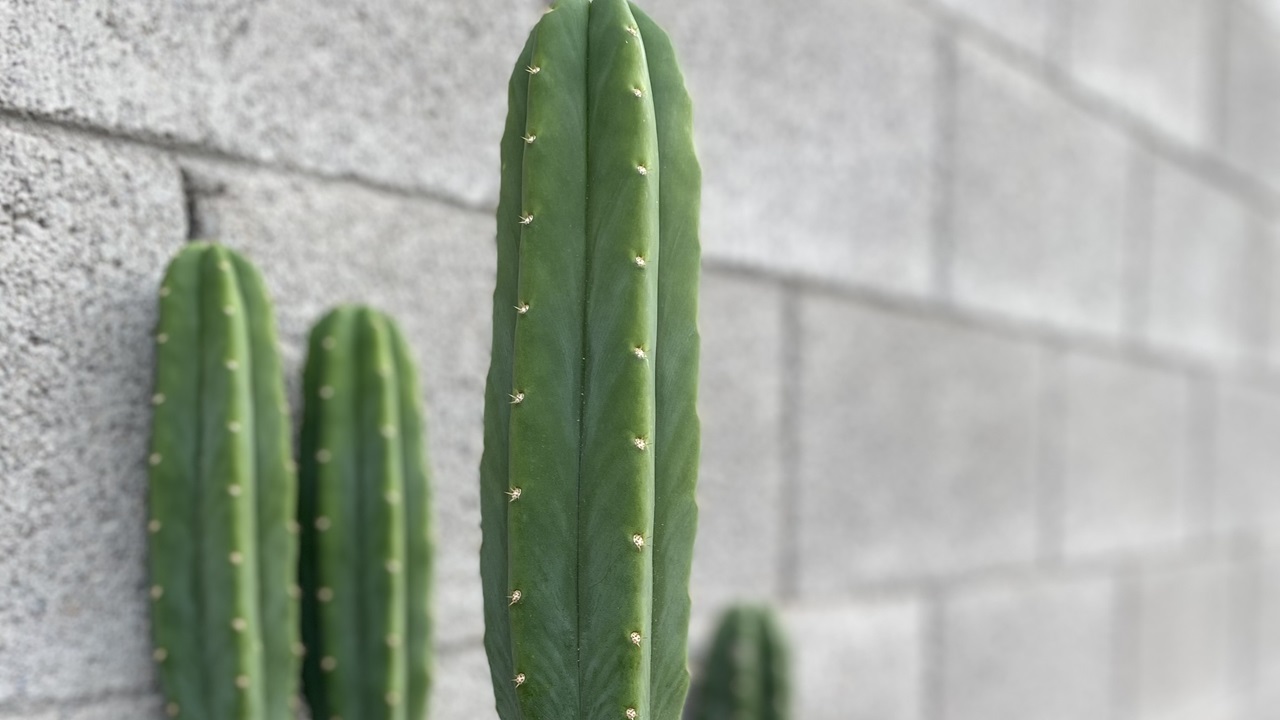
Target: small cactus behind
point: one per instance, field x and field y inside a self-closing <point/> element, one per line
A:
<point x="747" y="674"/>
<point x="366" y="542"/>
<point x="223" y="543"/>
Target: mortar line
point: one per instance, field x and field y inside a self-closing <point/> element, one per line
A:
<point x="185" y="150"/>
<point x="1198" y="161"/>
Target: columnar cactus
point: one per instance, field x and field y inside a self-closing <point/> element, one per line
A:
<point x="747" y="674"/>
<point x="366" y="543"/>
<point x="591" y="434"/>
<point x="222" y="496"/>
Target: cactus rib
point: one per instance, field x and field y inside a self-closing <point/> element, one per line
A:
<point x="222" y="492"/>
<point x="746" y="675"/>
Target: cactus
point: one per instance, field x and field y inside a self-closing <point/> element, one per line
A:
<point x="366" y="543"/>
<point x="747" y="674"/>
<point x="222" y="493"/>
<point x="591" y="434"/>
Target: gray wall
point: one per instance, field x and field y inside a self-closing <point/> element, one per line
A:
<point x="989" y="394"/>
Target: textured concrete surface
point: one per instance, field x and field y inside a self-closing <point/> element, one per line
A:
<point x="1124" y="455"/>
<point x="1039" y="649"/>
<point x="917" y="452"/>
<point x="1041" y="246"/>
<point x="990" y="314"/>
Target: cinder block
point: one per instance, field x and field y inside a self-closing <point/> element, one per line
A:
<point x="1028" y="24"/>
<point x="1246" y="454"/>
<point x="917" y="448"/>
<point x="1206" y="273"/>
<point x="431" y="267"/>
<point x="1124" y="456"/>
<point x="1037" y="202"/>
<point x="1252" y="88"/>
<point x="402" y="92"/>
<point x="1029" y="650"/>
<point x="461" y="689"/>
<point x="1153" y="57"/>
<point x="817" y="151"/>
<point x="86" y="228"/>
<point x="1189" y="643"/>
<point x="858" y="661"/>
<point x="740" y="486"/>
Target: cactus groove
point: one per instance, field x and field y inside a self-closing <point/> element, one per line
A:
<point x="223" y="543"/>
<point x="366" y="544"/>
<point x="747" y="674"/>
<point x="591" y="434"/>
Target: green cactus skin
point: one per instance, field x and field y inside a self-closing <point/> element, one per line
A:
<point x="591" y="431"/>
<point x="747" y="674"/>
<point x="364" y="510"/>
<point x="223" y="543"/>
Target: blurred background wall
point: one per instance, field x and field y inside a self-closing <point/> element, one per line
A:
<point x="990" y="311"/>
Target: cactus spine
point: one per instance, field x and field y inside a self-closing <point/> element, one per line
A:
<point x="222" y="492"/>
<point x="747" y="674"/>
<point x="591" y="434"/>
<point x="366" y="544"/>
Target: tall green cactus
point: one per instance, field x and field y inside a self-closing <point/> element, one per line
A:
<point x="222" y="493"/>
<point x="591" y="434"/>
<point x="366" y="543"/>
<point x="747" y="674"/>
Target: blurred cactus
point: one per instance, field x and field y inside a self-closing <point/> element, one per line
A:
<point x="222" y="493"/>
<point x="366" y="543"/>
<point x="747" y="674"/>
<point x="591" y="434"/>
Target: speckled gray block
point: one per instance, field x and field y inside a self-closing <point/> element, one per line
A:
<point x="402" y="92"/>
<point x="1038" y="203"/>
<point x="860" y="661"/>
<point x="1015" y="650"/>
<point x="816" y="130"/>
<point x="1124" y="456"/>
<point x="741" y="508"/>
<point x="85" y="231"/>
<point x="917" y="448"/>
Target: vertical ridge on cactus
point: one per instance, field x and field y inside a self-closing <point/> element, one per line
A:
<point x="222" y="492"/>
<point x="366" y="546"/>
<point x="591" y="434"/>
<point x="747" y="674"/>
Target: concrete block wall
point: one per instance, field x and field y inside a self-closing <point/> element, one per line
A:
<point x="990" y="318"/>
